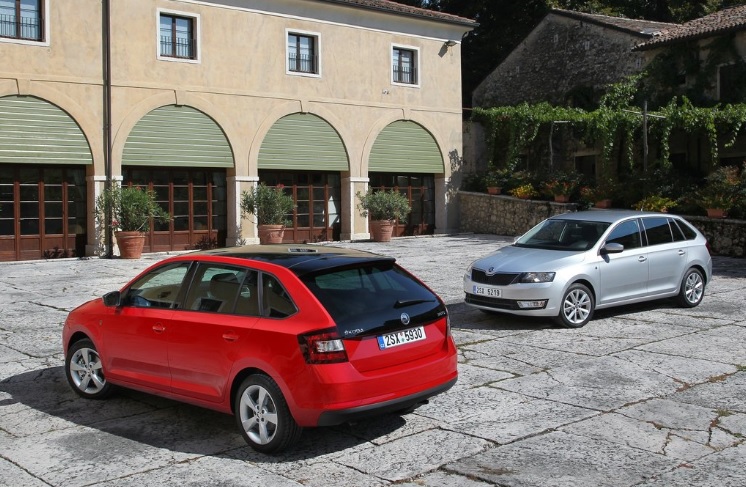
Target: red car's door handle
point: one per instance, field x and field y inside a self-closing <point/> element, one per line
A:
<point x="230" y="337"/>
<point x="159" y="328"/>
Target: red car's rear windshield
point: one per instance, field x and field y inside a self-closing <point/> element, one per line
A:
<point x="366" y="299"/>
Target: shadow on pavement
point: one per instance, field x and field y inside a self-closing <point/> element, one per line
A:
<point x="161" y="423"/>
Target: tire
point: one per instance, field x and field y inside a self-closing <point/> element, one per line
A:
<point x="84" y="371"/>
<point x="692" y="289"/>
<point x="577" y="306"/>
<point x="263" y="416"/>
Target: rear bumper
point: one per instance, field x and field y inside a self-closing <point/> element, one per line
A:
<point x="331" y="418"/>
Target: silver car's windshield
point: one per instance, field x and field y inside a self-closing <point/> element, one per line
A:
<point x="571" y="235"/>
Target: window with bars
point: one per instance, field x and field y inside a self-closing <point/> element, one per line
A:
<point x="404" y="66"/>
<point x="22" y="19"/>
<point x="302" y="53"/>
<point x="177" y="36"/>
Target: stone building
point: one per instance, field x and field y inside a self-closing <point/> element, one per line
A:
<point x="718" y="42"/>
<point x="201" y="100"/>
<point x="566" y="59"/>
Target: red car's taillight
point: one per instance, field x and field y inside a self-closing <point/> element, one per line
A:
<point x="324" y="347"/>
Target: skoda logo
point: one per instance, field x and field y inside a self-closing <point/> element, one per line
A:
<point x="490" y="271"/>
<point x="405" y="318"/>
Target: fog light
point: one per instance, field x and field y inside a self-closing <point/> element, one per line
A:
<point x="532" y="304"/>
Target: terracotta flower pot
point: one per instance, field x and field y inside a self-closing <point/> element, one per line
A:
<point x="493" y="189"/>
<point x="271" y="234"/>
<point x="130" y="244"/>
<point x="381" y="230"/>
<point x="604" y="203"/>
<point x="561" y="198"/>
<point x="716" y="213"/>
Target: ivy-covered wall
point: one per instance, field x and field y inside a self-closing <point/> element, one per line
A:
<point x="505" y="215"/>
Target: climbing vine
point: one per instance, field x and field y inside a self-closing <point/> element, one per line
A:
<point x="612" y="125"/>
<point x="616" y="126"/>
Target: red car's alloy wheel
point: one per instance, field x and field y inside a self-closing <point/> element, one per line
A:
<point x="263" y="415"/>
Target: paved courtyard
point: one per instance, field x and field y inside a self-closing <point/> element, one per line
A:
<point x="650" y="395"/>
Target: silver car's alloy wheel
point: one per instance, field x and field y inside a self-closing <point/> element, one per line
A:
<point x="258" y="414"/>
<point x="692" y="289"/>
<point x="577" y="307"/>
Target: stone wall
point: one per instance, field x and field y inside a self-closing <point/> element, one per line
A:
<point x="505" y="215"/>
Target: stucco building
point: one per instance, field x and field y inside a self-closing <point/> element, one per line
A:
<point x="201" y="100"/>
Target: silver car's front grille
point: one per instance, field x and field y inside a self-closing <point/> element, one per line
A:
<point x="499" y="279"/>
<point x="496" y="303"/>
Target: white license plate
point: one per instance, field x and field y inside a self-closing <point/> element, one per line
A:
<point x="490" y="292"/>
<point x="401" y="338"/>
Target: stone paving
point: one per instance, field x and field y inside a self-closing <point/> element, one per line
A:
<point x="648" y="395"/>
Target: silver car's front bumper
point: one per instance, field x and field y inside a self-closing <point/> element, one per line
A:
<point x="512" y="295"/>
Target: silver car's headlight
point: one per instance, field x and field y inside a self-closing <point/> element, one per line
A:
<point x="535" y="277"/>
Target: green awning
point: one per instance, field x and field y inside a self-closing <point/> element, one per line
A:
<point x="303" y="141"/>
<point x="177" y="136"/>
<point x="405" y="147"/>
<point x="33" y="131"/>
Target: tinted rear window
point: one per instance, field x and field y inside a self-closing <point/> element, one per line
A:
<point x="689" y="232"/>
<point x="372" y="298"/>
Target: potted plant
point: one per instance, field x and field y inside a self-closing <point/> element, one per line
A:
<point x="271" y="206"/>
<point x="383" y="208"/>
<point x="720" y="192"/>
<point x="131" y="209"/>
<point x="655" y="202"/>
<point x="600" y="193"/>
<point x="496" y="179"/>
<point x="561" y="186"/>
<point x="524" y="191"/>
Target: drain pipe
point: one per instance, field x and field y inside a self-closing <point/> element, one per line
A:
<point x="106" y="17"/>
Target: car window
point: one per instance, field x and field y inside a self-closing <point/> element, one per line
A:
<point x="626" y="233"/>
<point x="686" y="229"/>
<point x="373" y="297"/>
<point x="158" y="288"/>
<point x="556" y="234"/>
<point x="215" y="288"/>
<point x="678" y="235"/>
<point x="276" y="302"/>
<point x="657" y="230"/>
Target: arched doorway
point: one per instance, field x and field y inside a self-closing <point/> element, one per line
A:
<point x="304" y="153"/>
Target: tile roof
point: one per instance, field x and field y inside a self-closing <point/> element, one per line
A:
<point x="726" y="20"/>
<point x="406" y="10"/>
<point x="646" y="28"/>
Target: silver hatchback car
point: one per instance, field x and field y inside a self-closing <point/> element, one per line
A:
<point x="570" y="265"/>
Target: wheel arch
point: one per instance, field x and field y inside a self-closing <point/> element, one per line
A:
<point x="701" y="270"/>
<point x="76" y="337"/>
<point x="586" y="283"/>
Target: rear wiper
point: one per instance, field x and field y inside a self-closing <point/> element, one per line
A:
<point x="409" y="302"/>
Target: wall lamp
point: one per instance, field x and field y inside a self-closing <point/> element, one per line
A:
<point x="450" y="43"/>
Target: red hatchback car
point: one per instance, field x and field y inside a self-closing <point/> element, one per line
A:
<point x="281" y="336"/>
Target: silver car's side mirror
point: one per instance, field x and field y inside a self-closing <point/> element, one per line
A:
<point x="612" y="248"/>
<point x="113" y="298"/>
